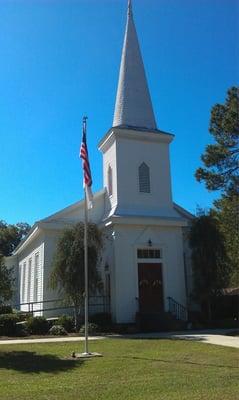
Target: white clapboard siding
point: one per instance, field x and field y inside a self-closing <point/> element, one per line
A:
<point x="31" y="280"/>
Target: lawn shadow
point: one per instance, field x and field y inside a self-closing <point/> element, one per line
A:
<point x="191" y="338"/>
<point x="31" y="362"/>
<point x="161" y="336"/>
<point x="181" y="362"/>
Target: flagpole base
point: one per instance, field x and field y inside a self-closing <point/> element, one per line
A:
<point x="85" y="355"/>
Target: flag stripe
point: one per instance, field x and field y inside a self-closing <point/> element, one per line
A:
<point x="85" y="160"/>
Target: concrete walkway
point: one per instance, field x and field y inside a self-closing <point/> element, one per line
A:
<point x="221" y="340"/>
<point x="49" y="340"/>
<point x="217" y="337"/>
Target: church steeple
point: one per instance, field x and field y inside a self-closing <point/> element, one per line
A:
<point x="133" y="107"/>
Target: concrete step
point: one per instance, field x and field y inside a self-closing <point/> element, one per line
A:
<point x="162" y="321"/>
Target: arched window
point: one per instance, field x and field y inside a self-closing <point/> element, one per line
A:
<point x="144" y="178"/>
<point x="110" y="183"/>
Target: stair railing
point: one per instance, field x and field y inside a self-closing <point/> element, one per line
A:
<point x="177" y="310"/>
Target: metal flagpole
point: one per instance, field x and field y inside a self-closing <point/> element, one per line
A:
<point x="86" y="264"/>
<point x="88" y="195"/>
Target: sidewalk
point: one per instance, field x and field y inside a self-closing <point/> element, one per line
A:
<point x="49" y="340"/>
<point x="211" y="336"/>
<point x="217" y="337"/>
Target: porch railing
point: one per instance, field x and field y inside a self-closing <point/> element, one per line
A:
<point x="177" y="310"/>
<point x="97" y="304"/>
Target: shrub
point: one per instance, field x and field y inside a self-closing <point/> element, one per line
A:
<point x="125" y="328"/>
<point x="37" y="325"/>
<point x="5" y="309"/>
<point x="92" y="328"/>
<point x="101" y="319"/>
<point x="57" y="330"/>
<point x="23" y="316"/>
<point x="226" y="323"/>
<point x="21" y="330"/>
<point x="8" y="324"/>
<point x="67" y="322"/>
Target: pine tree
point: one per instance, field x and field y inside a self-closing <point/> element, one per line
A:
<point x="221" y="167"/>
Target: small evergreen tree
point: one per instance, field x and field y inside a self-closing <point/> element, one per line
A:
<point x="211" y="271"/>
<point x="68" y="265"/>
<point x="227" y="213"/>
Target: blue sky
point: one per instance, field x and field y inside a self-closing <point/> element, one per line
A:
<point x="60" y="60"/>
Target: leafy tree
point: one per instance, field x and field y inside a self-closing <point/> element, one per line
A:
<point x="209" y="260"/>
<point x="221" y="167"/>
<point x="227" y="213"/>
<point x="68" y="265"/>
<point x="6" y="282"/>
<point x="11" y="235"/>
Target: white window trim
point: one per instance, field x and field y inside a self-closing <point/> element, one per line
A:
<point x="110" y="180"/>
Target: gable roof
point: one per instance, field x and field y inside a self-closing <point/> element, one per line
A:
<point x="184" y="213"/>
<point x="59" y="215"/>
<point x="58" y="220"/>
<point x="61" y="219"/>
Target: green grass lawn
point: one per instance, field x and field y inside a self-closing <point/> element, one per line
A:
<point x="130" y="369"/>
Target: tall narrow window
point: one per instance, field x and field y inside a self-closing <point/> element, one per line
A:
<point x="21" y="282"/>
<point x="24" y="294"/>
<point x="144" y="178"/>
<point x="29" y="281"/>
<point x="36" y="286"/>
<point x="110" y="182"/>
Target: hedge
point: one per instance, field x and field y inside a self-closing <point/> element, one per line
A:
<point x="37" y="325"/>
<point x="8" y="325"/>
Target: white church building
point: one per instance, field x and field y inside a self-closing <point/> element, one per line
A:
<point x="146" y="259"/>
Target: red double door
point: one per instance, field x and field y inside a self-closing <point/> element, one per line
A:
<point x="150" y="280"/>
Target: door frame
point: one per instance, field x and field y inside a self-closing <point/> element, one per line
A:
<point x="161" y="260"/>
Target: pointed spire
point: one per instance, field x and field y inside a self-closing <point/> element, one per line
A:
<point x="130" y="12"/>
<point x="133" y="106"/>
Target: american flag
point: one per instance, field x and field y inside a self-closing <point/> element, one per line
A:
<point x="87" y="181"/>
